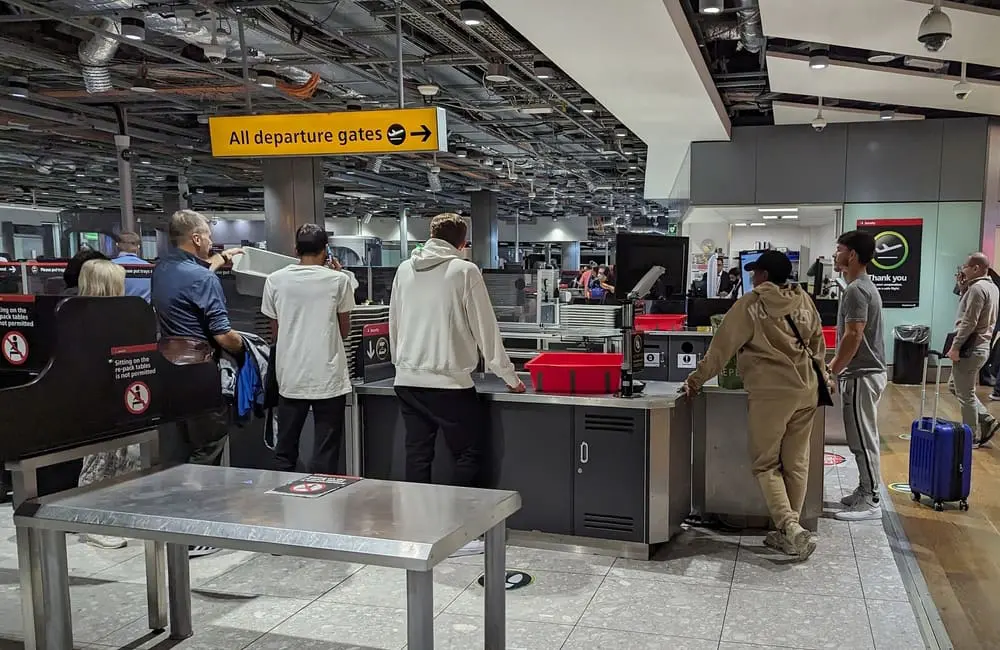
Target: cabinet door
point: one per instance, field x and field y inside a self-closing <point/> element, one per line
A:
<point x="609" y="493"/>
<point x="531" y="451"/>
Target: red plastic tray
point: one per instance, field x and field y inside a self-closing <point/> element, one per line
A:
<point x="580" y="373"/>
<point x="660" y="322"/>
<point x="830" y="337"/>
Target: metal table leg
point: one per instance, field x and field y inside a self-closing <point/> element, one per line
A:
<point x="30" y="574"/>
<point x="496" y="579"/>
<point x="55" y="590"/>
<point x="420" y="610"/>
<point x="156" y="585"/>
<point x="179" y="589"/>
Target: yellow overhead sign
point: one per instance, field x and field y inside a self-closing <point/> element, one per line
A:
<point x="329" y="134"/>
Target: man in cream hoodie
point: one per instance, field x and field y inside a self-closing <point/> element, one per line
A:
<point x="439" y="315"/>
<point x="779" y="376"/>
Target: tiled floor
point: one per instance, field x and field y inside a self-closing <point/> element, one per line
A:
<point x="706" y="591"/>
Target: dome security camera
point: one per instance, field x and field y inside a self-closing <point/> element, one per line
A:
<point x="961" y="90"/>
<point x="819" y="124"/>
<point x="935" y="29"/>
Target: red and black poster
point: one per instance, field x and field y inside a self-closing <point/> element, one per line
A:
<point x="135" y="381"/>
<point x="373" y="357"/>
<point x="17" y="331"/>
<point x="895" y="267"/>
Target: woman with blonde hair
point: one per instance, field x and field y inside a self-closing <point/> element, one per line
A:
<point x="105" y="279"/>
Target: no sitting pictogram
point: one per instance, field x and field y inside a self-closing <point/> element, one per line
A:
<point x="137" y="398"/>
<point x="308" y="488"/>
<point x="14" y="347"/>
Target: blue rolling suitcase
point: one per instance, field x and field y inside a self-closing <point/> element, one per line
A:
<point x="940" y="453"/>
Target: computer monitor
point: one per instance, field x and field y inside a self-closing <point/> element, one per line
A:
<point x="701" y="310"/>
<point x="636" y="253"/>
<point x="745" y="258"/>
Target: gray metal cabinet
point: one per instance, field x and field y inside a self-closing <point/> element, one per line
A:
<point x="609" y="488"/>
<point x="532" y="453"/>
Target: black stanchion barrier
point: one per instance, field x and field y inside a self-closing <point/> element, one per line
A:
<point x="79" y="370"/>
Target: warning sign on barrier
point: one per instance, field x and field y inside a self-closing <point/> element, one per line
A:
<point x="14" y="346"/>
<point x="314" y="485"/>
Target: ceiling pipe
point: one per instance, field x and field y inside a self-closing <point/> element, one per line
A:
<point x="750" y="27"/>
<point x="95" y="55"/>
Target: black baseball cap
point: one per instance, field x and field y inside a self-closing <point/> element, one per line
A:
<point x="776" y="263"/>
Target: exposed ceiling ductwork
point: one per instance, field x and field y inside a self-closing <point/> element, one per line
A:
<point x="750" y="28"/>
<point x="96" y="55"/>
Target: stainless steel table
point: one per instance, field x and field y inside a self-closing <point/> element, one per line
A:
<point x="402" y="525"/>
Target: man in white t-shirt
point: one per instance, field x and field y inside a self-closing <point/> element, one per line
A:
<point x="310" y="308"/>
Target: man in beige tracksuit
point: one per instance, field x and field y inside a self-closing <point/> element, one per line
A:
<point x="779" y="376"/>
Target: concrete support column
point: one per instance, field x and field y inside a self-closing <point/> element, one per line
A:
<point x="7" y="239"/>
<point x="122" y="143"/>
<point x="485" y="230"/>
<point x="293" y="195"/>
<point x="570" y="256"/>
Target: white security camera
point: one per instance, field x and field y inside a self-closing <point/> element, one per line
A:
<point x="819" y="124"/>
<point x="935" y="29"/>
<point x="961" y="90"/>
<point x="214" y="52"/>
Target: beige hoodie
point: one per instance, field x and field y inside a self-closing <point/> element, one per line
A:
<point x="771" y="361"/>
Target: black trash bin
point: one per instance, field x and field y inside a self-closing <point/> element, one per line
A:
<point x="909" y="348"/>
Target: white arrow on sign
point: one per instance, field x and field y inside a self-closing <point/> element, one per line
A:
<point x="371" y="350"/>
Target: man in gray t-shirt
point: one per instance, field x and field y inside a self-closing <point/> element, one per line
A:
<point x="860" y="364"/>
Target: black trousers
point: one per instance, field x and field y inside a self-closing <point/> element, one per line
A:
<point x="459" y="415"/>
<point x="199" y="440"/>
<point x="328" y="421"/>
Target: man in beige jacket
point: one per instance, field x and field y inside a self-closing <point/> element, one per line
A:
<point x="780" y="378"/>
<point x="977" y="315"/>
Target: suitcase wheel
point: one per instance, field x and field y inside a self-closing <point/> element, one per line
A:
<point x="915" y="495"/>
<point x="938" y="506"/>
<point x="963" y="505"/>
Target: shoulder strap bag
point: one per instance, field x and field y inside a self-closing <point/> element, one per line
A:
<point x="823" y="397"/>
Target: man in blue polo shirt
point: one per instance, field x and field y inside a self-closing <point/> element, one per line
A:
<point x="190" y="304"/>
<point x="129" y="247"/>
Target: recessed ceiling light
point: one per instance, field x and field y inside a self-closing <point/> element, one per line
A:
<point x="880" y="57"/>
<point x="621" y="133"/>
<point x="543" y="69"/>
<point x="17" y="86"/>
<point x="711" y="7"/>
<point x="760" y="223"/>
<point x="777" y="209"/>
<point x="588" y="106"/>
<point x="497" y="73"/>
<point x="769" y="217"/>
<point x="266" y="77"/>
<point x="819" y="59"/>
<point x="887" y="114"/>
<point x="535" y="110"/>
<point x="133" y="27"/>
<point x="740" y="224"/>
<point x="789" y="216"/>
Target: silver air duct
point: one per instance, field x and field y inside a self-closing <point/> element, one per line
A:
<point x="96" y="54"/>
<point x="751" y="30"/>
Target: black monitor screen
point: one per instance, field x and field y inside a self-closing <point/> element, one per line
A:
<point x="701" y="310"/>
<point x="635" y="254"/>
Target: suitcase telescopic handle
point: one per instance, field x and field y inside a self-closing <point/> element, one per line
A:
<point x="937" y="387"/>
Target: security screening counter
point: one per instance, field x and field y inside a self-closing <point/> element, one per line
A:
<point x="86" y="375"/>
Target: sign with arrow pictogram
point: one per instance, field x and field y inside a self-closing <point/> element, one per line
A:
<point x="330" y="134"/>
<point x="373" y="357"/>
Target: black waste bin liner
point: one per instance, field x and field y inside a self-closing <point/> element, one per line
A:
<point x="909" y="348"/>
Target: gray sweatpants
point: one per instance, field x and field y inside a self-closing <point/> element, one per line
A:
<point x="965" y="376"/>
<point x="861" y="396"/>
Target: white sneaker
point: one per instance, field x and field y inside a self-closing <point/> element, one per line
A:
<point x="864" y="509"/>
<point x="994" y="397"/>
<point x="475" y="547"/>
<point x="852" y="498"/>
<point x="105" y="541"/>
<point x="201" y="551"/>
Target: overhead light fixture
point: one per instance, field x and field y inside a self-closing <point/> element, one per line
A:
<point x="497" y="73"/>
<point x="740" y="224"/>
<point x="621" y="132"/>
<point x="473" y="12"/>
<point x="145" y="161"/>
<point x="881" y="57"/>
<point x="17" y="86"/>
<point x="588" y="106"/>
<point x="769" y="217"/>
<point x="757" y="224"/>
<point x="462" y="153"/>
<point x="886" y="114"/>
<point x="535" y="110"/>
<point x="711" y="7"/>
<point x="543" y="69"/>
<point x="777" y="209"/>
<point x="428" y="90"/>
<point x="785" y="217"/>
<point x="266" y="78"/>
<point x="143" y="86"/>
<point x="133" y="27"/>
<point x="819" y="58"/>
